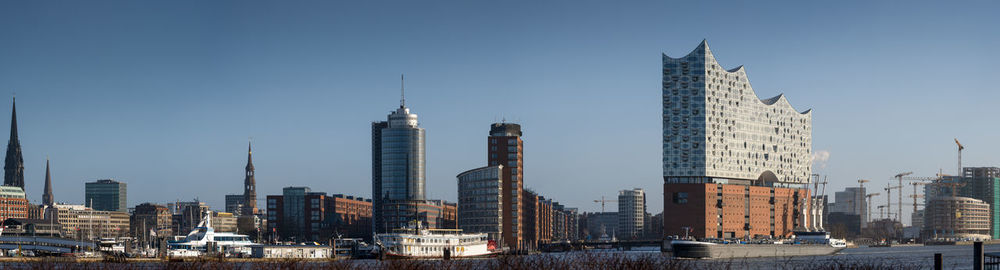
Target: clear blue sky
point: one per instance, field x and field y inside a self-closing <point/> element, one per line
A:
<point x="163" y="95"/>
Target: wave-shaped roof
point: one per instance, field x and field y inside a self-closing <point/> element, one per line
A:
<point x="703" y="49"/>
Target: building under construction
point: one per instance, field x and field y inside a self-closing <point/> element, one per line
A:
<point x="957" y="218"/>
<point x="980" y="183"/>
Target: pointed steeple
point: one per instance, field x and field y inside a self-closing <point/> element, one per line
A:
<point x="249" y="186"/>
<point x="13" y="120"/>
<point x="14" y="163"/>
<point x="249" y="157"/>
<point x="47" y="196"/>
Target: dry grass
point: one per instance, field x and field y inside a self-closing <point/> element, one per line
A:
<point x="601" y="261"/>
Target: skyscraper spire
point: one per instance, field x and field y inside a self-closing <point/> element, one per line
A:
<point x="249" y="186"/>
<point x="14" y="163"/>
<point x="402" y="96"/>
<point x="47" y="196"/>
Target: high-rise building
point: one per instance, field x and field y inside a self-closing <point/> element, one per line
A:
<point x="249" y="187"/>
<point x="506" y="148"/>
<point x="13" y="169"/>
<point x="401" y="179"/>
<point x="107" y="195"/>
<point x="983" y="183"/>
<point x="48" y="199"/>
<point x="734" y="165"/>
<point x="631" y="213"/>
<point x="378" y="221"/>
<point x="480" y="201"/>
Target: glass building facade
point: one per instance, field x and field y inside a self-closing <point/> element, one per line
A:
<point x="106" y="195"/>
<point x="403" y="157"/>
<point x="294" y="201"/>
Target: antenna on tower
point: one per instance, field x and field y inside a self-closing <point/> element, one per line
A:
<point x="402" y="97"/>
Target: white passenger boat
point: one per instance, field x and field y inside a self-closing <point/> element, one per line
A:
<point x="196" y="243"/>
<point x="423" y="243"/>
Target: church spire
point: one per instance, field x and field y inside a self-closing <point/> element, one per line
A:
<point x="47" y="198"/>
<point x="14" y="163"/>
<point x="249" y="186"/>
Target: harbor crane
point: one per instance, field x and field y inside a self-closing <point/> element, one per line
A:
<point x="603" y="201"/>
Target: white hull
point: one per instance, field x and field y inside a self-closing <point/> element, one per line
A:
<point x="434" y="244"/>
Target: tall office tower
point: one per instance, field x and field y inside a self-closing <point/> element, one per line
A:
<point x="505" y="148"/>
<point x="631" y="213"/>
<point x="729" y="156"/>
<point x="400" y="181"/>
<point x="106" y="195"/>
<point x="480" y="202"/>
<point x="48" y="198"/>
<point x="378" y="223"/>
<point x="249" y="187"/>
<point x="13" y="169"/>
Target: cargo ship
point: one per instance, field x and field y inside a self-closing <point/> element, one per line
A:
<point x="802" y="244"/>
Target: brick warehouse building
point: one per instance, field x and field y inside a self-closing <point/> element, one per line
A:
<point x="734" y="165"/>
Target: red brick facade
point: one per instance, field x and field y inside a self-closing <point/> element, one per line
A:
<point x="745" y="210"/>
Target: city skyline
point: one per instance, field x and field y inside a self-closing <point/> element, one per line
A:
<point x="100" y="110"/>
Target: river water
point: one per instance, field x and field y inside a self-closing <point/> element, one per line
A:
<point x="922" y="257"/>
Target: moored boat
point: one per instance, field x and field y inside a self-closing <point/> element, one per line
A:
<point x="805" y="244"/>
<point x="420" y="243"/>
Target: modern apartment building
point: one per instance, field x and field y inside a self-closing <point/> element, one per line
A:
<point x="506" y="148"/>
<point x="631" y="214"/>
<point x="480" y="202"/>
<point x="734" y="165"/>
<point x="106" y="195"/>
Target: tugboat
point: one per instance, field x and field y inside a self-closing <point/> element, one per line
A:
<point x="422" y="243"/>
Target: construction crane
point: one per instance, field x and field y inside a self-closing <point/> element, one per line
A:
<point x="603" y="201"/>
<point x="868" y="214"/>
<point x="899" y="205"/>
<point x="960" y="148"/>
<point x="888" y="196"/>
<point x="915" y="195"/>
